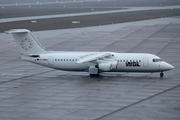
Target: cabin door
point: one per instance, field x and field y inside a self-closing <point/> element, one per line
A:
<point x="51" y="61"/>
<point x="145" y="62"/>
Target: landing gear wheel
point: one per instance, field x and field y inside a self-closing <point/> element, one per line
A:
<point x="161" y="74"/>
<point x="93" y="75"/>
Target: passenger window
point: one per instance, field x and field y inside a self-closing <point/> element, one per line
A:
<point x="139" y="60"/>
<point x="69" y="59"/>
<point x="55" y="59"/>
<point x="153" y="60"/>
<point x="72" y="59"/>
<point x="121" y="60"/>
<point x="64" y="60"/>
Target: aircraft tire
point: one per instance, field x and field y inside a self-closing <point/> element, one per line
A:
<point x="161" y="74"/>
<point x="93" y="75"/>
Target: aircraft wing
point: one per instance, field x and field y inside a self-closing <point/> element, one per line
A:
<point x="93" y="57"/>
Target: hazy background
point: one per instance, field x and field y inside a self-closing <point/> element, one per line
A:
<point x="26" y="8"/>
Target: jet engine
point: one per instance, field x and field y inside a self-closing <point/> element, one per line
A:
<point x="105" y="66"/>
<point x="114" y="65"/>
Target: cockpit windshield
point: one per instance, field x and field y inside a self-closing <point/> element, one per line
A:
<point x="157" y="60"/>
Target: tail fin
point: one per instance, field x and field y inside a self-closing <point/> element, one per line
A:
<point x="26" y="42"/>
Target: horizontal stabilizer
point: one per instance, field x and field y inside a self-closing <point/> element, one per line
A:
<point x="17" y="31"/>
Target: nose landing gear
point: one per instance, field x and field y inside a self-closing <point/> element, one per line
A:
<point x="161" y="74"/>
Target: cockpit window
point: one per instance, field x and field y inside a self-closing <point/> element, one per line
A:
<point x="157" y="60"/>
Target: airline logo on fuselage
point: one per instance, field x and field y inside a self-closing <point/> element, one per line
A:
<point x="26" y="44"/>
<point x="133" y="64"/>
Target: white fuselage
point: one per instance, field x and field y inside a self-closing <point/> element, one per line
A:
<point x="127" y="62"/>
<point x="92" y="62"/>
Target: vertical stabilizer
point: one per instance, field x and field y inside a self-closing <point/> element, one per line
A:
<point x="26" y="42"/>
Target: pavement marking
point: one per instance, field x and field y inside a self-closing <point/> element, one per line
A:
<point x="11" y="74"/>
<point x="12" y="43"/>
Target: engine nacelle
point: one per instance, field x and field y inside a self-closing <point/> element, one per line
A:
<point x="105" y="66"/>
<point x="108" y="66"/>
<point x="114" y="65"/>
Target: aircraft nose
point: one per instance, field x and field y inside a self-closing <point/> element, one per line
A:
<point x="166" y="66"/>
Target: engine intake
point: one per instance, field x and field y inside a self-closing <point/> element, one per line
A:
<point x="114" y="65"/>
<point x="107" y="66"/>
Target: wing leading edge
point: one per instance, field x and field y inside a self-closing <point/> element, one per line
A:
<point x="93" y="57"/>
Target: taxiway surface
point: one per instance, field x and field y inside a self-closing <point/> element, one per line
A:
<point x="127" y="9"/>
<point x="29" y="91"/>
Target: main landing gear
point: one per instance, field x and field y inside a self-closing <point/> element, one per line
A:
<point x="94" y="75"/>
<point x="93" y="71"/>
<point x="161" y="74"/>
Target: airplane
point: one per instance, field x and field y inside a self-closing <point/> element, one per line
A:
<point x="92" y="62"/>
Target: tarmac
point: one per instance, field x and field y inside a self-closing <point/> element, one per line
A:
<point x="25" y="3"/>
<point x="126" y="9"/>
<point x="32" y="92"/>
